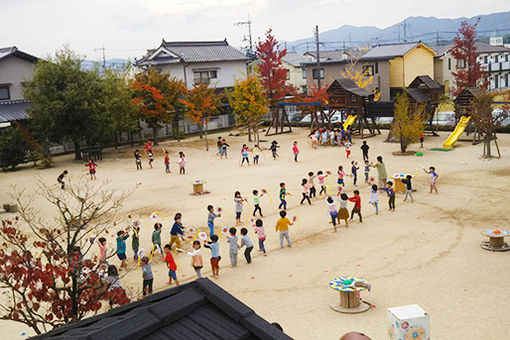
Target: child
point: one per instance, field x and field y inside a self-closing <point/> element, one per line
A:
<point x="60" y="179"/>
<point x="306" y="187"/>
<point x="218" y="144"/>
<point x="238" y="200"/>
<point x="295" y="150"/>
<point x="156" y="238"/>
<point x="421" y="140"/>
<point x="177" y="231"/>
<point x="101" y="243"/>
<point x="246" y="241"/>
<point x="391" y="195"/>
<point x="167" y="162"/>
<point x="325" y="136"/>
<point x="313" y="139"/>
<point x="233" y="246"/>
<point x="354" y="170"/>
<point x="433" y="178"/>
<point x="149" y="155"/>
<point x="244" y="155"/>
<point x="347" y="149"/>
<point x="374" y="197"/>
<point x="196" y="258"/>
<point x="122" y="236"/>
<point x="256" y="202"/>
<point x="343" y="213"/>
<point x="311" y="178"/>
<point x="283" y="194"/>
<point x="148" y="278"/>
<point x="210" y="219"/>
<point x="332" y="211"/>
<point x="224" y="147"/>
<point x="282" y="225"/>
<point x="364" y="148"/>
<point x="172" y="266"/>
<point x="261" y="235"/>
<point x="92" y="169"/>
<point x="409" y="187"/>
<point x="112" y="277"/>
<point x="138" y="159"/>
<point x="182" y="163"/>
<point x="215" y="255"/>
<point x="256" y="154"/>
<point x="135" y="242"/>
<point x="341" y="173"/>
<point x="357" y="205"/>
<point x="322" y="182"/>
<point x="367" y="170"/>
<point x="274" y="148"/>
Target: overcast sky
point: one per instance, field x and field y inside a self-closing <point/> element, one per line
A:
<point x="129" y="27"/>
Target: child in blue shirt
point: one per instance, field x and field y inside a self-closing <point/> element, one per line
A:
<point x="122" y="236"/>
<point x="215" y="255"/>
<point x="354" y="170"/>
<point x="233" y="246"/>
<point x="391" y="195"/>
<point x="210" y="219"/>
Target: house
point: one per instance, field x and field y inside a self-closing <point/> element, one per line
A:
<point x="16" y="67"/>
<point x="196" y="310"/>
<point x="296" y="74"/>
<point x="494" y="59"/>
<point x="198" y="62"/>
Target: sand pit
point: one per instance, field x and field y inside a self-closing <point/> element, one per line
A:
<point x="426" y="252"/>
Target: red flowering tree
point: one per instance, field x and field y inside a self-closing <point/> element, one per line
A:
<point x="470" y="72"/>
<point x="201" y="103"/>
<point x="156" y="97"/>
<point x="47" y="274"/>
<point x="270" y="68"/>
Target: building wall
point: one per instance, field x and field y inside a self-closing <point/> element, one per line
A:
<point x="15" y="70"/>
<point x="227" y="72"/>
<point x="417" y="62"/>
<point x="294" y="75"/>
<point x="443" y="72"/>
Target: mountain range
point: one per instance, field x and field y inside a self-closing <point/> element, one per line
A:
<point x="427" y="29"/>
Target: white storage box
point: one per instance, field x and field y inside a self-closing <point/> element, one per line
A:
<point x="408" y="323"/>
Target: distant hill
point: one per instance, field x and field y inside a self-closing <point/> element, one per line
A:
<point x="427" y="29"/>
<point x="116" y="63"/>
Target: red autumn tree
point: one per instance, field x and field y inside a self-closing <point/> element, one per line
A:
<point x="470" y="74"/>
<point x="201" y="103"/>
<point x="48" y="277"/>
<point x="272" y="73"/>
<point x="156" y="97"/>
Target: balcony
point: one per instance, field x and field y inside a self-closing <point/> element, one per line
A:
<point x="501" y="66"/>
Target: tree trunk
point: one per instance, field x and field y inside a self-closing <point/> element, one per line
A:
<point x="116" y="139"/>
<point x="249" y="134"/>
<point x="175" y="127"/>
<point x="403" y="145"/>
<point x="201" y="130"/>
<point x="205" y="133"/>
<point x="77" y="151"/>
<point x="257" y="138"/>
<point x="155" y="134"/>
<point x="488" y="145"/>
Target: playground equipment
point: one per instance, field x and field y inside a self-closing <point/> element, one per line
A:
<point x="459" y="130"/>
<point x="349" y="288"/>
<point x="349" y="121"/>
<point x="280" y="117"/>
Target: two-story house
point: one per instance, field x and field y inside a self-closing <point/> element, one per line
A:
<point x="198" y="62"/>
<point x="16" y="67"/>
<point x="296" y="74"/>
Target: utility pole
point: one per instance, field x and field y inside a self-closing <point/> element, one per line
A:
<point x="104" y="55"/>
<point x="318" y="57"/>
<point x="249" y="38"/>
<point x="398" y="30"/>
<point x="437" y="37"/>
<point x="405" y="31"/>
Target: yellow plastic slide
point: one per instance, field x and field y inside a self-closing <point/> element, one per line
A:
<point x="349" y="121"/>
<point x="459" y="130"/>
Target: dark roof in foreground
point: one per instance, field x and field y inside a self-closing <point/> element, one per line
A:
<point x="418" y="95"/>
<point x="13" y="110"/>
<point x="349" y="85"/>
<point x="197" y="310"/>
<point x="426" y="81"/>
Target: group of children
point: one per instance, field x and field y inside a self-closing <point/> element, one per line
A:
<point x="326" y="136"/>
<point x="181" y="161"/>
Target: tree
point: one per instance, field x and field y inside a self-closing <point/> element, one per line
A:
<point x="201" y="103"/>
<point x="13" y="147"/>
<point x="156" y="98"/>
<point x="273" y="75"/>
<point x="470" y="74"/>
<point x="487" y="120"/>
<point x="46" y="275"/>
<point x="249" y="103"/>
<point x="65" y="102"/>
<point x="361" y="77"/>
<point x="408" y="120"/>
<point x="116" y="104"/>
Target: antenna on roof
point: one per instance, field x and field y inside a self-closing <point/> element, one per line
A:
<point x="249" y="37"/>
<point x="104" y="55"/>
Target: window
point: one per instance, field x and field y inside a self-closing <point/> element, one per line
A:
<point x="204" y="77"/>
<point x="506" y="57"/>
<point x="485" y="60"/>
<point x="314" y="73"/>
<point x="449" y="63"/>
<point x="506" y="80"/>
<point x="461" y="64"/>
<point x="5" y="93"/>
<point x="288" y="73"/>
<point x="376" y="67"/>
<point x="496" y="58"/>
<point x="304" y="73"/>
<point x="368" y="69"/>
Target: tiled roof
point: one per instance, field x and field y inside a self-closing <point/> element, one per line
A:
<point x="200" y="51"/>
<point x="351" y="86"/>
<point x="390" y="51"/>
<point x="13" y="50"/>
<point x="328" y="55"/>
<point x="11" y="110"/>
<point x="418" y="95"/>
<point x="482" y="47"/>
<point x="425" y="80"/>
<point x="295" y="58"/>
<point x="441" y="50"/>
<point x="197" y="310"/>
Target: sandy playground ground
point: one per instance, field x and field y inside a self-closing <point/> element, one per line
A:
<point x="426" y="252"/>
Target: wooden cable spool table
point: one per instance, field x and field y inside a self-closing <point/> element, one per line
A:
<point x="349" y="288"/>
<point x="496" y="240"/>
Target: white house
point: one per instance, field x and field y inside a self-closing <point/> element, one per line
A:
<point x="195" y="62"/>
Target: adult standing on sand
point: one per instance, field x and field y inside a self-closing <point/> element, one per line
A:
<point x="381" y="171"/>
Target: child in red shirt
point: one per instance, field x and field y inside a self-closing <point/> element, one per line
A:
<point x="92" y="169"/>
<point x="172" y="266"/>
<point x="167" y="163"/>
<point x="357" y="205"/>
<point x="295" y="150"/>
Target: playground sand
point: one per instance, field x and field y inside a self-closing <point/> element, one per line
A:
<point x="427" y="252"/>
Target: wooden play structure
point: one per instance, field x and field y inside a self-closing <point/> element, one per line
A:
<point x="350" y="300"/>
<point x="496" y="240"/>
<point x="425" y="90"/>
<point x="463" y="108"/>
<point x="280" y="119"/>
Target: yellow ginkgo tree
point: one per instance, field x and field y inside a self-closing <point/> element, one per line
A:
<point x="361" y="78"/>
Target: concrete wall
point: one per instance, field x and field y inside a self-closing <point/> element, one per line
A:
<point x="15" y="70"/>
